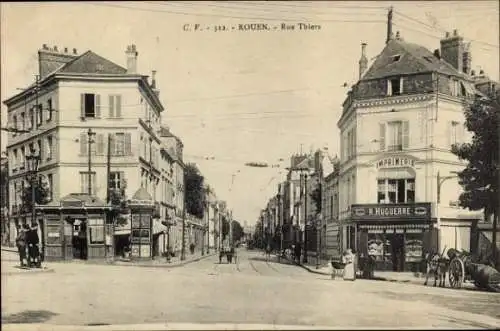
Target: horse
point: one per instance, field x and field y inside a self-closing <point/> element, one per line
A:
<point x="437" y="266"/>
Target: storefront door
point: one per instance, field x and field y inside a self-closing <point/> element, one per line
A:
<point x="397" y="242"/>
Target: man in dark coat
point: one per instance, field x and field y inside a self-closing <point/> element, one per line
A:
<point x="33" y="251"/>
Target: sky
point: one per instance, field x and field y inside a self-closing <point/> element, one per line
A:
<point x="241" y="96"/>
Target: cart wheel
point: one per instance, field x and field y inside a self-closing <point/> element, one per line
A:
<point x="456" y="273"/>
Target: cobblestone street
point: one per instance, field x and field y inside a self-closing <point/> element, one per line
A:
<point x="253" y="291"/>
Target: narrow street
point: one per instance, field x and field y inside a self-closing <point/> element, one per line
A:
<point x="252" y="291"/>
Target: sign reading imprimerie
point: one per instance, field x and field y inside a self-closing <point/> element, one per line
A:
<point x="391" y="211"/>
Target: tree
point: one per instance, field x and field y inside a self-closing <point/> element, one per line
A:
<point x="195" y="193"/>
<point x="42" y="195"/>
<point x="480" y="177"/>
<point x="225" y="227"/>
<point x="238" y="232"/>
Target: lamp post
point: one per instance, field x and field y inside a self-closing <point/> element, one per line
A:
<point x="32" y="161"/>
<point x="318" y="229"/>
<point x="280" y="223"/>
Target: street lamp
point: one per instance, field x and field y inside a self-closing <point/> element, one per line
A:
<point x="32" y="161"/>
<point x="441" y="180"/>
<point x="168" y="223"/>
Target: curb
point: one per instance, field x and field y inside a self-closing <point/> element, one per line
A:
<point x="28" y="272"/>
<point x="164" y="265"/>
<point x="305" y="267"/>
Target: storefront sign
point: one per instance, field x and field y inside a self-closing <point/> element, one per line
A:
<point x="416" y="211"/>
<point x="396" y="162"/>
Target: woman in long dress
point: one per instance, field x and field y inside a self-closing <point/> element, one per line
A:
<point x="349" y="270"/>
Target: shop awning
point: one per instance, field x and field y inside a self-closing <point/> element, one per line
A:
<point x="380" y="228"/>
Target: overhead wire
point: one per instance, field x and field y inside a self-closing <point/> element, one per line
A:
<point x="227" y="16"/>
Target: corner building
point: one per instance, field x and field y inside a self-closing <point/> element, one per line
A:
<point x="397" y="184"/>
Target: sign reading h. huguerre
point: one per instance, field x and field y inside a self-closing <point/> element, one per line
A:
<point x="421" y="211"/>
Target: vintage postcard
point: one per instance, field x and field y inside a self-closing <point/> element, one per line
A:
<point x="250" y="165"/>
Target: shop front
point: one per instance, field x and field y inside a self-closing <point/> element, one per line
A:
<point x="396" y="236"/>
<point x="76" y="228"/>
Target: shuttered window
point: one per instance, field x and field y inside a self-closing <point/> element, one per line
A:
<point x="406" y="134"/>
<point x="115" y="106"/>
<point x="83" y="143"/>
<point x="382" y="136"/>
<point x="100" y="144"/>
<point x="90" y="105"/>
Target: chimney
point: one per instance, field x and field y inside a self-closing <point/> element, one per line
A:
<point x="452" y="50"/>
<point x="49" y="60"/>
<point x="153" y="79"/>
<point x="131" y="53"/>
<point x="363" y="61"/>
<point x="153" y="83"/>
<point x="66" y="50"/>
<point x="467" y="59"/>
<point x="74" y="51"/>
<point x="389" y="26"/>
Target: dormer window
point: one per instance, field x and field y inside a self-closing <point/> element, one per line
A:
<point x="395" y="86"/>
<point x="395" y="58"/>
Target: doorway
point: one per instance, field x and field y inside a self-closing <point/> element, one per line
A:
<point x="80" y="239"/>
<point x="397" y="250"/>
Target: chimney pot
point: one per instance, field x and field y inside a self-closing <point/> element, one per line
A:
<point x="55" y="48"/>
<point x="437" y="54"/>
<point x="65" y="49"/>
<point x="397" y="35"/>
<point x="447" y="35"/>
<point x="44" y="46"/>
<point x="455" y="32"/>
<point x="473" y="72"/>
<point x="481" y="72"/>
<point x="74" y="50"/>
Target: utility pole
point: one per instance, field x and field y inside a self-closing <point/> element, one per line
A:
<point x="90" y="142"/>
<point x="305" y="219"/>
<point x="183" y="247"/>
<point x="108" y="168"/>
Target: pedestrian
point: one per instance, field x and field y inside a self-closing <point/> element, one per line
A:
<point x="33" y="241"/>
<point x="298" y="250"/>
<point x="21" y="245"/>
<point x="349" y="269"/>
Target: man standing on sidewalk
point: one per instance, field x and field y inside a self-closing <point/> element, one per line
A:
<point x="21" y="244"/>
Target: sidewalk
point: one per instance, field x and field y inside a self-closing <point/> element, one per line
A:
<point x="388" y="276"/>
<point x="11" y="264"/>
<point x="158" y="262"/>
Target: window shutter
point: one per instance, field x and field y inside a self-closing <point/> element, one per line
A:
<point x="389" y="87"/>
<point x="112" y="143"/>
<point x="406" y="134"/>
<point x="82" y="106"/>
<point x="83" y="143"/>
<point x="118" y="106"/>
<point x="97" y="105"/>
<point x="111" y="106"/>
<point x="83" y="182"/>
<point x="128" y="144"/>
<point x="100" y="144"/>
<point x="382" y="136"/>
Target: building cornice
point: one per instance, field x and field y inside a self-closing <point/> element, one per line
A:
<point x="141" y="79"/>
<point x="383" y="101"/>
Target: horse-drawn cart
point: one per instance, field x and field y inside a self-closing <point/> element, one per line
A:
<point x="462" y="269"/>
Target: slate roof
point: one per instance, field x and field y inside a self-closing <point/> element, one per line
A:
<point x="91" y="63"/>
<point x="413" y="59"/>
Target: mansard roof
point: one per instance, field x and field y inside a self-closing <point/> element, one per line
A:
<point x="402" y="58"/>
